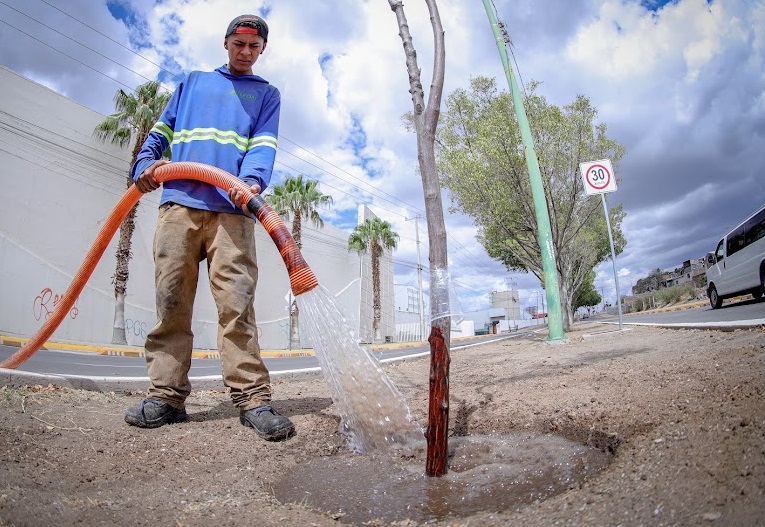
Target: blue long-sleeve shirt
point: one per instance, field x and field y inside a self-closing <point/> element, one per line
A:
<point x="220" y="119"/>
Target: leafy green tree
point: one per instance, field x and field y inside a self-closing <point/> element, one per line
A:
<point x="587" y="296"/>
<point x="299" y="200"/>
<point x="481" y="161"/>
<point x="131" y="123"/>
<point x="376" y="236"/>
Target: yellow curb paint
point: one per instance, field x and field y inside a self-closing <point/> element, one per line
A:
<point x="139" y="352"/>
<point x="15" y="341"/>
<point x="197" y="354"/>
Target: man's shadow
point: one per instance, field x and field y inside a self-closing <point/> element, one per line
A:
<point x="287" y="407"/>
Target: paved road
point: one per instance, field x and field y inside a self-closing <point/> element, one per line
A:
<point x="744" y="313"/>
<point x="105" y="372"/>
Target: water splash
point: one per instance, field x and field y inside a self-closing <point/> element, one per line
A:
<point x="373" y="413"/>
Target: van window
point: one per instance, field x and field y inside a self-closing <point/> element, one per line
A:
<point x="720" y="253"/>
<point x="736" y="240"/>
<point x="755" y="227"/>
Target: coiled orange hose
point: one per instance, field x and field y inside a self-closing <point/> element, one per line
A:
<point x="301" y="277"/>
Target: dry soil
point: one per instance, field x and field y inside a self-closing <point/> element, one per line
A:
<point x="680" y="414"/>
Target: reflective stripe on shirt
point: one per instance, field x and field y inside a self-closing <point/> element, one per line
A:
<point x="213" y="134"/>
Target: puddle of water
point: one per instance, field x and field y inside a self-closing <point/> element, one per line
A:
<point x="486" y="474"/>
<point x="373" y="412"/>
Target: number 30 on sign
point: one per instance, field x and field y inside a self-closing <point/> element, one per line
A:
<point x="598" y="176"/>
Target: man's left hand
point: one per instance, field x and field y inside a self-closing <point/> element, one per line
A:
<point x="239" y="197"/>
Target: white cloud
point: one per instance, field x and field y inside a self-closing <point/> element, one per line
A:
<point x="681" y="88"/>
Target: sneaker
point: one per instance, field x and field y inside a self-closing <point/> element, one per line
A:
<point x="153" y="413"/>
<point x="267" y="423"/>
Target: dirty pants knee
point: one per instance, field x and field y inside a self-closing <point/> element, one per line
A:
<point x="183" y="238"/>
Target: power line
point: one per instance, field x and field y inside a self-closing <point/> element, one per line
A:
<point x="460" y="253"/>
<point x="354" y="177"/>
<point x="106" y="36"/>
<point x="69" y="56"/>
<point x="73" y="40"/>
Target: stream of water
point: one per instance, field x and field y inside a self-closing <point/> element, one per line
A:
<point x="373" y="412"/>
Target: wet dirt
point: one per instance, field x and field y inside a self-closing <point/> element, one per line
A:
<point x="681" y="413"/>
<point x="485" y="474"/>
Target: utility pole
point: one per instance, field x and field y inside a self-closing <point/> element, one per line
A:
<point x="549" y="267"/>
<point x="419" y="275"/>
<point x="513" y="284"/>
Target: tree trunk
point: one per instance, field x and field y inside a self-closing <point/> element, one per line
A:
<point x="118" y="330"/>
<point x="438" y="406"/>
<point x="426" y="121"/>
<point x="566" y="304"/>
<point x="121" y="275"/>
<point x="294" y="311"/>
<point x="376" y="334"/>
<point x="294" y="329"/>
<point x="122" y="271"/>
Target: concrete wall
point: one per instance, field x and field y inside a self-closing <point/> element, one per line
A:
<point x="58" y="187"/>
<point x="509" y="300"/>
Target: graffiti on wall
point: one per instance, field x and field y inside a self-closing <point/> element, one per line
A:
<point x="46" y="302"/>
<point x="138" y="327"/>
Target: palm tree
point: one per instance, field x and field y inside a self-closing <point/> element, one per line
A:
<point x="299" y="199"/>
<point x="378" y="235"/>
<point x="135" y="115"/>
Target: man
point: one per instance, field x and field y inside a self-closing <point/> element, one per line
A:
<point x="227" y="118"/>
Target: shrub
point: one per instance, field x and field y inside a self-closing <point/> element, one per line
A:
<point x="677" y="293"/>
<point x="638" y="304"/>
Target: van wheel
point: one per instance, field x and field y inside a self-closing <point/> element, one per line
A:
<point x="714" y="298"/>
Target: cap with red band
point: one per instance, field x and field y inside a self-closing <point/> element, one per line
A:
<point x="250" y="24"/>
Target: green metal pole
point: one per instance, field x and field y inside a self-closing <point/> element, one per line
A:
<point x="554" y="318"/>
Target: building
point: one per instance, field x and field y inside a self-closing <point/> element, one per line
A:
<point x="60" y="185"/>
<point x="509" y="301"/>
<point x="408" y="318"/>
<point x="504" y="315"/>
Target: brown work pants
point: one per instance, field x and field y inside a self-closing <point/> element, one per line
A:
<point x="183" y="238"/>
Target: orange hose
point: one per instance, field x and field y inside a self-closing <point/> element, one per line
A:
<point x="301" y="277"/>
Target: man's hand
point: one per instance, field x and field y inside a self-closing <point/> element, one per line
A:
<point x="238" y="197"/>
<point x="146" y="182"/>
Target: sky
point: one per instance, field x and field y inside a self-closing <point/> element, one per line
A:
<point x="680" y="84"/>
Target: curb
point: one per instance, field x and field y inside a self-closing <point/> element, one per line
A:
<point x="714" y="326"/>
<point x="18" y="378"/>
<point x="117" y="350"/>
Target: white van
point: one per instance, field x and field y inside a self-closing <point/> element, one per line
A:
<point x="739" y="262"/>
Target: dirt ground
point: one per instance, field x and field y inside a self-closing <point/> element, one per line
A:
<point x="681" y="411"/>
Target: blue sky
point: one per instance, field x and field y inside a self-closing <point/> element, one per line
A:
<point x="680" y="84"/>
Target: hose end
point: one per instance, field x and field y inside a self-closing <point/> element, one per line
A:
<point x="302" y="280"/>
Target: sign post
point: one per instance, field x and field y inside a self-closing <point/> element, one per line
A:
<point x="599" y="178"/>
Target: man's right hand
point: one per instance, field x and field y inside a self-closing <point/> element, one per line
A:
<point x="146" y="182"/>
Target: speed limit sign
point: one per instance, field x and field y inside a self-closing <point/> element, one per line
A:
<point x="598" y="177"/>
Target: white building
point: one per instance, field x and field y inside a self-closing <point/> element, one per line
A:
<point x="59" y="185"/>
